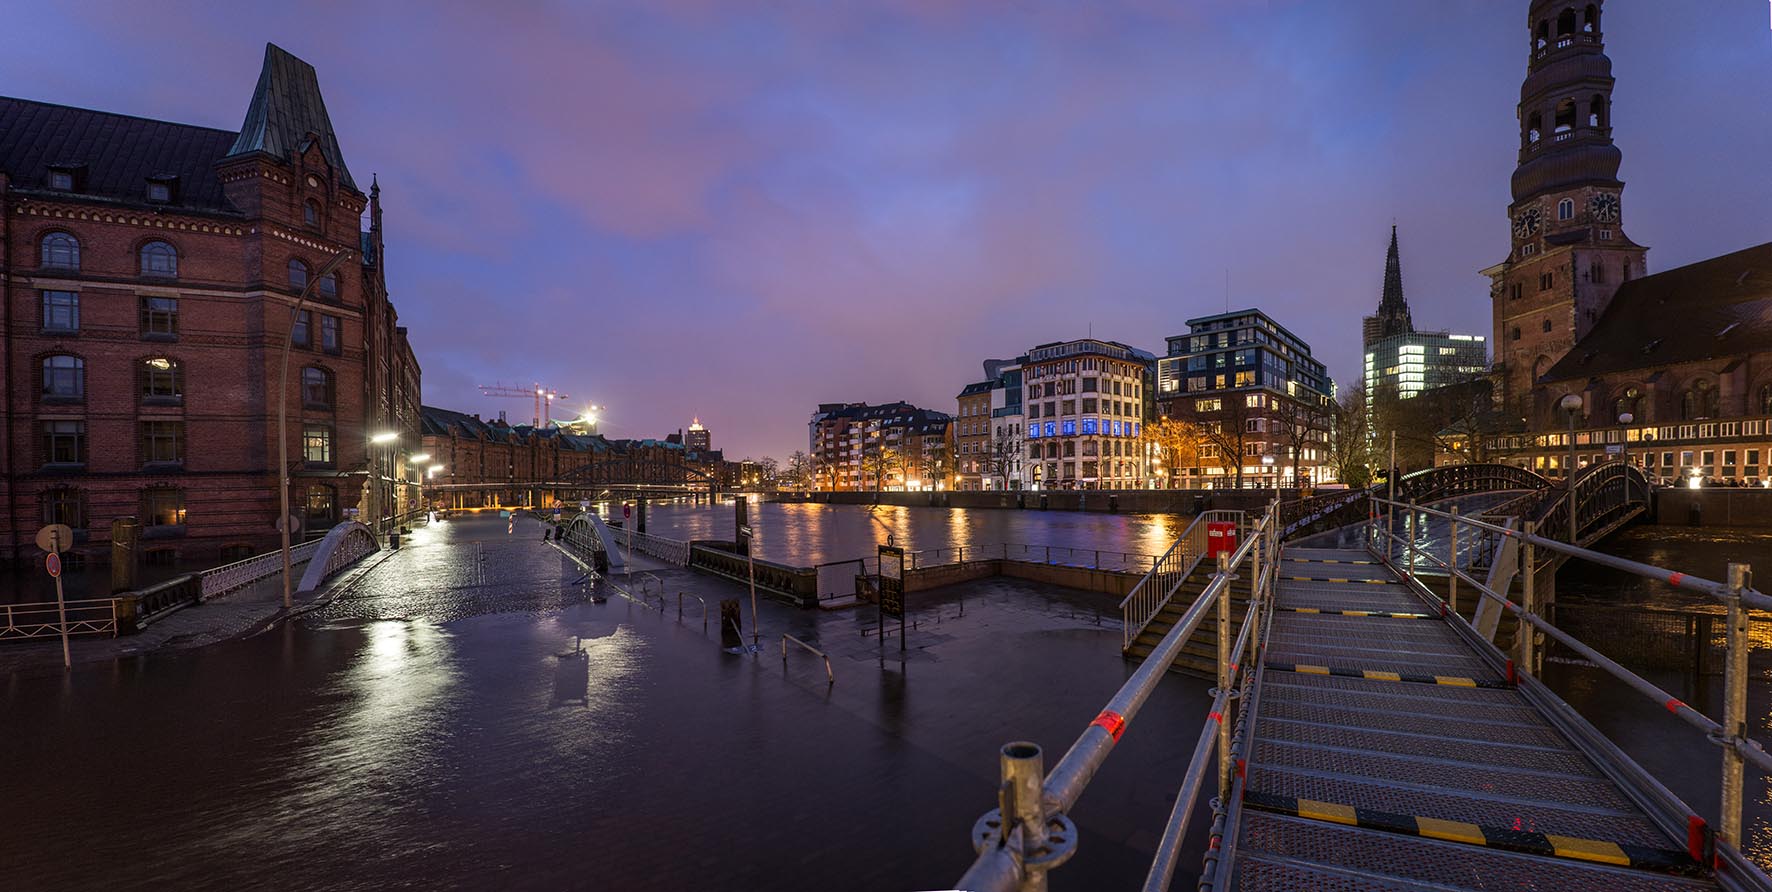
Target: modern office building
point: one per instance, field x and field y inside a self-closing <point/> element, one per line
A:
<point x="1261" y="402"/>
<point x="1402" y="366"/>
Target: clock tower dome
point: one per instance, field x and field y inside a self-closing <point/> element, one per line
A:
<point x="1569" y="252"/>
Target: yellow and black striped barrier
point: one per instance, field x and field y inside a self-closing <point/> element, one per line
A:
<point x="1383" y="613"/>
<point x="1327" y="561"/>
<point x="1595" y="850"/>
<point x="1456" y="681"/>
<point x="1344" y="580"/>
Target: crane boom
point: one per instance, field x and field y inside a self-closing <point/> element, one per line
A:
<point x="543" y="396"/>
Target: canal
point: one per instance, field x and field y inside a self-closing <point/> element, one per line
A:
<point x="420" y="731"/>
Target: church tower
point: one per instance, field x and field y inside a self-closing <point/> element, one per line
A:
<point x="1392" y="318"/>
<point x="1570" y="252"/>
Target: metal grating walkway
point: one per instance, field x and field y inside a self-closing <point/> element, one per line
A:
<point x="1388" y="754"/>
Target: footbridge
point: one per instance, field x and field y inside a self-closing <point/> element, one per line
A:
<point x="1365" y="734"/>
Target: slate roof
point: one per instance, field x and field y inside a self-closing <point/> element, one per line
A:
<point x="114" y="155"/>
<point x="436" y="422"/>
<point x="1712" y="309"/>
<point x="285" y="108"/>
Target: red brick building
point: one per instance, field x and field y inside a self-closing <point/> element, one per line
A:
<point x="151" y="271"/>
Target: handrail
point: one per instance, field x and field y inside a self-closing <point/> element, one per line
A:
<point x="1730" y="734"/>
<point x="1168" y="571"/>
<point x="1008" y="852"/>
<point x="1687" y="581"/>
<point x="785" y="638"/>
<point x="704" y="610"/>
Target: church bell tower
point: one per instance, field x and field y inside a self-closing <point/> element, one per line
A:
<point x="1569" y="251"/>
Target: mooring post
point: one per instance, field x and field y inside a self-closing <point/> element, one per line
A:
<point x="1734" y="708"/>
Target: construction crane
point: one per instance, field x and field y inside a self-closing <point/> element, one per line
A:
<point x="543" y="396"/>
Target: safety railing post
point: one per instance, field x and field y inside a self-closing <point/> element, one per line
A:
<point x="1734" y="707"/>
<point x="1021" y="807"/>
<point x="1224" y="673"/>
<point x="1524" y="656"/>
<point x="1409" y="544"/>
<point x="1452" y="562"/>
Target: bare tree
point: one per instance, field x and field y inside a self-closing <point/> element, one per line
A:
<point x="1350" y="442"/>
<point x="1297" y="424"/>
<point x="800" y="470"/>
<point x="1227" y="431"/>
<point x="1004" y="458"/>
<point x="934" y="464"/>
<point x="878" y="460"/>
<point x="1177" y="443"/>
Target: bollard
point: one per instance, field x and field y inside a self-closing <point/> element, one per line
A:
<point x="1734" y="708"/>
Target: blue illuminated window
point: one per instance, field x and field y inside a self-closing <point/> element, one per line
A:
<point x="1070" y="428"/>
<point x="1033" y="431"/>
<point x="1116" y="427"/>
<point x="1135" y="427"/>
<point x="1091" y="426"/>
<point x="1050" y="428"/>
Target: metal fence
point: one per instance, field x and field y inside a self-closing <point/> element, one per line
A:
<point x="228" y="577"/>
<point x="1166" y="573"/>
<point x="43" y="619"/>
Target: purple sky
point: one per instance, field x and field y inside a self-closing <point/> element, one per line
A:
<point x="684" y="208"/>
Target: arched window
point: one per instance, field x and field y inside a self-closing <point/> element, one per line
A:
<point x="161" y="381"/>
<point x="328" y="287"/>
<point x="1565" y="120"/>
<point x="1700" y="401"/>
<point x="298" y="274"/>
<point x="1766" y="399"/>
<point x="159" y="259"/>
<point x="1534" y="127"/>
<point x="1628" y="402"/>
<point x="1688" y="406"/>
<point x="1596" y="112"/>
<point x="64" y="377"/>
<point x="316" y="388"/>
<point x="1566" y="209"/>
<point x="1516" y="333"/>
<point x="1591" y="22"/>
<point x="60" y="250"/>
<point x="310" y="213"/>
<point x="1543" y="35"/>
<point x="1566" y="22"/>
<point x="1547" y="325"/>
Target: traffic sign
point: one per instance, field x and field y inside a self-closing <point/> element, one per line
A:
<point x="626" y="509"/>
<point x="54" y="564"/>
<point x="292" y="521"/>
<point x="55" y="537"/>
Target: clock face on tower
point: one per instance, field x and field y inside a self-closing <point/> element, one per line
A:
<point x="1526" y="223"/>
<point x="1604" y="207"/>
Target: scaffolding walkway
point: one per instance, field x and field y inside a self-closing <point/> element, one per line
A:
<point x="1388" y="752"/>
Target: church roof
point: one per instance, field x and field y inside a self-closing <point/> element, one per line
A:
<point x="112" y="156"/>
<point x="1393" y="310"/>
<point x="286" y="107"/>
<point x="1712" y="309"/>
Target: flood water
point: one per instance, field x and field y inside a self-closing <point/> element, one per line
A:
<point x="425" y="732"/>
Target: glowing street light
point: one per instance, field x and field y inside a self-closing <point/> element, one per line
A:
<point x="384" y="438"/>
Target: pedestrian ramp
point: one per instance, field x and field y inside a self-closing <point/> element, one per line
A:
<point x="1386" y="751"/>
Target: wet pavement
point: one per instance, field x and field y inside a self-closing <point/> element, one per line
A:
<point x="424" y="730"/>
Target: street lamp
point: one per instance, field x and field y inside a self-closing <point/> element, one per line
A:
<point x="1267" y="466"/>
<point x="1624" y="420"/>
<point x="385" y="439"/>
<point x="1570" y="403"/>
<point x="283" y="414"/>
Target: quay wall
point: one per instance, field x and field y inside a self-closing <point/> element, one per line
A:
<point x="1716" y="506"/>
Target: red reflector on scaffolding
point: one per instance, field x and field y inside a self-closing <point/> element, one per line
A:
<point x="1111" y="722"/>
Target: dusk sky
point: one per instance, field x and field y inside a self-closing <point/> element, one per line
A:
<point x="737" y="211"/>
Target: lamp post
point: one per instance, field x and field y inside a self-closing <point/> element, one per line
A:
<point x="385" y="440"/>
<point x="283" y="414"/>
<point x="417" y="461"/>
<point x="1624" y="420"/>
<point x="1267" y="467"/>
<point x="1571" y="404"/>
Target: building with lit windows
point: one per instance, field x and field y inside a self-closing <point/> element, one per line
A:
<point x="151" y="273"/>
<point x="1085" y="404"/>
<point x="856" y="447"/>
<point x="987" y="431"/>
<point x="1405" y="365"/>
<point x="1261" y="402"/>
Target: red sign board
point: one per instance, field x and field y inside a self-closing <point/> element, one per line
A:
<point x="54" y="563"/>
<point x="627" y="510"/>
<point x="1221" y="537"/>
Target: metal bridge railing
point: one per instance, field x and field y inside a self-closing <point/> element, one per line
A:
<point x="1166" y="574"/>
<point x="1029" y="832"/>
<point x="1736" y="594"/>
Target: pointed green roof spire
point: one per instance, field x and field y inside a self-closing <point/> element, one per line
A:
<point x="286" y="107"/>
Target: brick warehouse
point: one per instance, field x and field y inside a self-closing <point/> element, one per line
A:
<point x="150" y="270"/>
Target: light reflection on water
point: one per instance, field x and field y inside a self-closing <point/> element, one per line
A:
<point x="804" y="534"/>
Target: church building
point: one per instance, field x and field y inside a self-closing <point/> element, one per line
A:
<point x="1673" y="371"/>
